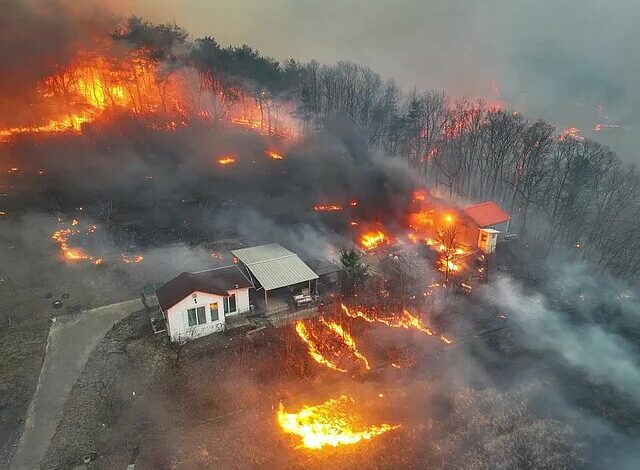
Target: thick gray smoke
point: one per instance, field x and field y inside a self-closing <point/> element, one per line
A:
<point x="554" y="60"/>
<point x="582" y="326"/>
<point x="603" y="354"/>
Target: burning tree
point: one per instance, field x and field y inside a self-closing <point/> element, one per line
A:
<point x="447" y="234"/>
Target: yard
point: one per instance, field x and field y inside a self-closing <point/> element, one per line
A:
<point x="213" y="403"/>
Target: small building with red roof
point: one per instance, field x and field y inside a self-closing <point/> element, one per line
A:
<point x="489" y="215"/>
<point x="486" y="223"/>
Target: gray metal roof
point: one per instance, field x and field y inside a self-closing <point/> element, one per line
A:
<point x="274" y="266"/>
<point x="258" y="254"/>
<point x="323" y="267"/>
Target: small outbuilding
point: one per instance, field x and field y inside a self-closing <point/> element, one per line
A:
<point x="198" y="304"/>
<point x="488" y="224"/>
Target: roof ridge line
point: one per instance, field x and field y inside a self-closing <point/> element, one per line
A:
<point x="270" y="259"/>
<point x="213" y="269"/>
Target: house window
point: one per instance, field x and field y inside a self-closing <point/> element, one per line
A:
<point x="483" y="237"/>
<point x="213" y="308"/>
<point x="196" y="316"/>
<point x="230" y="304"/>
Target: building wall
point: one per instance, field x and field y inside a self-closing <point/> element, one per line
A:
<point x="178" y="323"/>
<point x="502" y="227"/>
<point x="468" y="234"/>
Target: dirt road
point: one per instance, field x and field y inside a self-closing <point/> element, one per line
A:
<point x="71" y="340"/>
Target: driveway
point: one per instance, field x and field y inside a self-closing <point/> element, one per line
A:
<point x="71" y="340"/>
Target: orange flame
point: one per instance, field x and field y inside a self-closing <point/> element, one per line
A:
<point x="92" y="84"/>
<point x="273" y="155"/>
<point x="128" y="259"/>
<point x="332" y="423"/>
<point x="226" y="160"/>
<point x="72" y="253"/>
<point x="373" y="239"/>
<point x="330" y="349"/>
<point x="403" y="320"/>
<point x="97" y="80"/>
<point x="347" y="340"/>
<point x="328" y="208"/>
<point x="570" y="133"/>
<point x="444" y="264"/>
<point x="419" y="196"/>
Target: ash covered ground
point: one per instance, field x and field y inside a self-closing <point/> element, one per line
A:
<point x="543" y="367"/>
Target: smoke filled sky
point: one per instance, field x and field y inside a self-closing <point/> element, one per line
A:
<point x="554" y="60"/>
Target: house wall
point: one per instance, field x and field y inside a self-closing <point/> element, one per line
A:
<point x="178" y="323"/>
<point x="502" y="227"/>
<point x="468" y="234"/>
<point x="488" y="245"/>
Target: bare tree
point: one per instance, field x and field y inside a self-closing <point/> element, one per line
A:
<point x="447" y="233"/>
<point x="105" y="209"/>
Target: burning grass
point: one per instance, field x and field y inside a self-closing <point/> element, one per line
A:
<point x="273" y="155"/>
<point x="329" y="344"/>
<point x="373" y="239"/>
<point x="328" y="208"/>
<point x="70" y="253"/>
<point x="131" y="259"/>
<point x="332" y="423"/>
<point x="403" y="319"/>
<point x="226" y="160"/>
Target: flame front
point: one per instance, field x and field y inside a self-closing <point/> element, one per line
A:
<point x="570" y="133"/>
<point x="94" y="83"/>
<point x="347" y="340"/>
<point x="226" y="160"/>
<point x="330" y="345"/>
<point x="374" y="239"/>
<point x="402" y="320"/>
<point x="272" y="154"/>
<point x="327" y="208"/>
<point x="332" y="423"/>
<point x="129" y="259"/>
<point x="100" y="81"/>
<point x="72" y="253"/>
<point x="314" y="352"/>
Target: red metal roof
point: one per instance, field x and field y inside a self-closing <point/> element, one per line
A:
<point x="486" y="214"/>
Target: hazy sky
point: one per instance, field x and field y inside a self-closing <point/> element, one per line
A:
<point x="557" y="59"/>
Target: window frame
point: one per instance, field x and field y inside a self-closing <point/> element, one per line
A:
<point x="195" y="317"/>
<point x="217" y="311"/>
<point x="227" y="304"/>
<point x="196" y="312"/>
<point x="201" y="309"/>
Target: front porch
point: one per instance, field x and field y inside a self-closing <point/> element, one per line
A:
<point x="286" y="299"/>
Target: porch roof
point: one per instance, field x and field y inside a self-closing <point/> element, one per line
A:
<point x="274" y="266"/>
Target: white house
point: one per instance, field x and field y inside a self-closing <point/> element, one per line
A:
<point x="197" y="304"/>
